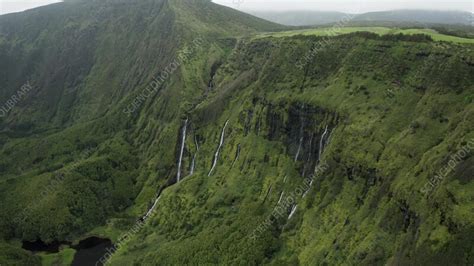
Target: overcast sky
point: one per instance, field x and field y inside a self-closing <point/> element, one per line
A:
<point x="354" y="6"/>
<point x="10" y="6"/>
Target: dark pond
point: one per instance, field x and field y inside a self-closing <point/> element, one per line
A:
<point x="88" y="251"/>
<point x="40" y="246"/>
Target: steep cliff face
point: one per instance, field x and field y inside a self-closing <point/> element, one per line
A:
<point x="279" y="163"/>
<point x="328" y="164"/>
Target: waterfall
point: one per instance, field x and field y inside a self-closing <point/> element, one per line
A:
<point x="293" y="210"/>
<point x="183" y="140"/>
<point x="299" y="149"/>
<point x="193" y="162"/>
<point x="191" y="169"/>
<point x="281" y="196"/>
<point x="309" y="186"/>
<point x="301" y="139"/>
<point x="151" y="209"/>
<point x="306" y="192"/>
<point x="216" y="155"/>
<point x="329" y="137"/>
<point x="321" y="143"/>
<point x="321" y="148"/>
<point x="237" y="154"/>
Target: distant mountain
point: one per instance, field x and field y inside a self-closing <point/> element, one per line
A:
<point x="420" y="16"/>
<point x="300" y="18"/>
<point x="306" y="18"/>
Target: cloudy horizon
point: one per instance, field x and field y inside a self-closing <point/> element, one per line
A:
<point x="348" y="6"/>
<point x="12" y="6"/>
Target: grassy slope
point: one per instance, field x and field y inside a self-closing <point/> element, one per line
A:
<point x="391" y="143"/>
<point x="64" y="257"/>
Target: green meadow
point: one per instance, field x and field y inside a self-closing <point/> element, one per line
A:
<point x="329" y="31"/>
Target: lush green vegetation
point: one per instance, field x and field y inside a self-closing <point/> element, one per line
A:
<point x="331" y="31"/>
<point x="396" y="112"/>
<point x="11" y="255"/>
<point x="64" y="257"/>
<point x="74" y="164"/>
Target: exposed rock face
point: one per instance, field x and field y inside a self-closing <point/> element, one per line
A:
<point x="301" y="129"/>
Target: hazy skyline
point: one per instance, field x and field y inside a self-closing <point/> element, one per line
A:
<point x="11" y="6"/>
<point x="351" y="6"/>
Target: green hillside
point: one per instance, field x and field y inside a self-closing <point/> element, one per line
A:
<point x="286" y="154"/>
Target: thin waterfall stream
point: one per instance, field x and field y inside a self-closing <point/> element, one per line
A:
<point x="322" y="145"/>
<point x="216" y="155"/>
<point x="301" y="136"/>
<point x="183" y="142"/>
<point x="299" y="149"/>
<point x="281" y="196"/>
<point x="151" y="208"/>
<point x="293" y="210"/>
